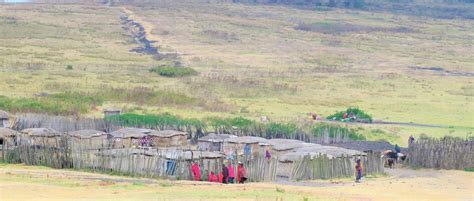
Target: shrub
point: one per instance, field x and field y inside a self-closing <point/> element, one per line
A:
<point x="277" y="130"/>
<point x="361" y="115"/>
<point x="69" y="67"/>
<point x="168" y="71"/>
<point x="153" y="121"/>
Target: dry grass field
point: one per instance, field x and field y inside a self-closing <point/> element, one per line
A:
<point x="18" y="183"/>
<point x="253" y="60"/>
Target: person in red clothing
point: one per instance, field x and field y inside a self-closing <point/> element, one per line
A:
<point x="221" y="177"/>
<point x="344" y="116"/>
<point x="231" y="173"/>
<point x="212" y="177"/>
<point x="242" y="173"/>
<point x="196" y="171"/>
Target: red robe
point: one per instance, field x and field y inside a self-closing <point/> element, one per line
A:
<point x="221" y="177"/>
<point x="239" y="170"/>
<point x="196" y="172"/>
<point x="212" y="178"/>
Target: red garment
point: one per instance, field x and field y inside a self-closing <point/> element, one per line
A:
<point x="212" y="177"/>
<point x="231" y="171"/>
<point x="196" y="172"/>
<point x="239" y="169"/>
<point x="344" y="116"/>
<point x="241" y="173"/>
<point x="221" y="177"/>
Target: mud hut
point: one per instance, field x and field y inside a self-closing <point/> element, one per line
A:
<point x="246" y="146"/>
<point x="88" y="139"/>
<point x="168" y="138"/>
<point x="4" y="119"/>
<point x="7" y="138"/>
<point x="41" y="137"/>
<point x="213" y="142"/>
<point x="283" y="146"/>
<point x="128" y="137"/>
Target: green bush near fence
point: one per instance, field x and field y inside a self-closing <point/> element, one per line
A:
<point x="148" y="120"/>
<point x="169" y="71"/>
<point x="361" y="115"/>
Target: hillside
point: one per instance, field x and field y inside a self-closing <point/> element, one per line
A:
<point x="253" y="60"/>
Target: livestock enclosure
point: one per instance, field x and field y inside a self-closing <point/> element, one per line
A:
<point x="444" y="153"/>
<point x="171" y="163"/>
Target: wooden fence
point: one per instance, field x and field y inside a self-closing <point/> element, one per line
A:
<point x="444" y="153"/>
<point x="145" y="162"/>
<point x="323" y="167"/>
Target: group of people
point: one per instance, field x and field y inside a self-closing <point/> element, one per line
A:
<point x="227" y="175"/>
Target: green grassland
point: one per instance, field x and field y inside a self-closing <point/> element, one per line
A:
<point x="252" y="61"/>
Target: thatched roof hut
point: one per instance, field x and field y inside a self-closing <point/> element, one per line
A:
<point x="247" y="140"/>
<point x="257" y="145"/>
<point x="7" y="137"/>
<point x="213" y="142"/>
<point x="315" y="150"/>
<point x="41" y="136"/>
<point x="129" y="137"/>
<point x="4" y="119"/>
<point x="89" y="139"/>
<point x="168" y="138"/>
<point x="131" y="133"/>
<point x="366" y="146"/>
<point x="41" y="132"/>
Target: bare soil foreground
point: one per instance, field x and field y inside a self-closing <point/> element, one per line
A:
<point x="18" y="182"/>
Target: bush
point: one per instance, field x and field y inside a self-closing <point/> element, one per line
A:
<point x="277" y="130"/>
<point x="69" y="67"/>
<point x="153" y="121"/>
<point x="360" y="115"/>
<point x="168" y="71"/>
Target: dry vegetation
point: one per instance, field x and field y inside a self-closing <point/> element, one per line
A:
<point x="252" y="61"/>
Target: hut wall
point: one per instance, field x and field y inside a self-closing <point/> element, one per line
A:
<point x="209" y="146"/>
<point x="8" y="142"/>
<point x="177" y="140"/>
<point x="4" y="123"/>
<point x="96" y="142"/>
<point x="119" y="143"/>
<point x="45" y="140"/>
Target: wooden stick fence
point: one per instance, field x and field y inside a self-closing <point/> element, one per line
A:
<point x="444" y="153"/>
<point x="323" y="167"/>
<point x="152" y="163"/>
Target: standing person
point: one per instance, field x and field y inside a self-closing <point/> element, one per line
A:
<point x="242" y="173"/>
<point x="196" y="171"/>
<point x="212" y="177"/>
<point x="397" y="149"/>
<point x="358" y="168"/>
<point x="411" y="140"/>
<point x="225" y="174"/>
<point x="268" y="155"/>
<point x="231" y="173"/>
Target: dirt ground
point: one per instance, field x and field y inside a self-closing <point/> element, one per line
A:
<point x="18" y="182"/>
